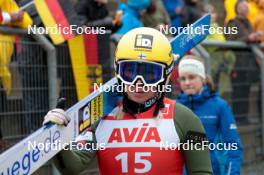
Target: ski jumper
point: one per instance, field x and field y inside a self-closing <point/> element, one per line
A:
<point x="142" y="144"/>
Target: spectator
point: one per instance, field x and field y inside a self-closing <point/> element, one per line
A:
<point x="91" y="10"/>
<point x="156" y="15"/>
<point x="131" y="14"/>
<point x="7" y="18"/>
<point x="33" y="70"/>
<point x="253" y="10"/>
<point x="259" y="21"/>
<point x="222" y="61"/>
<point x="231" y="14"/>
<point x="95" y="13"/>
<point x="190" y="12"/>
<point x="230" y="10"/>
<point x="246" y="69"/>
<point x="198" y="94"/>
<point x="245" y="31"/>
<point x="174" y="9"/>
<point x="11" y="16"/>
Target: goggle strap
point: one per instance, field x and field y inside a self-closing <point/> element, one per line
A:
<point x="170" y="68"/>
<point x="116" y="66"/>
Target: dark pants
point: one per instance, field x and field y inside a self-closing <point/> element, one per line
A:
<point x="3" y="107"/>
<point x="245" y="73"/>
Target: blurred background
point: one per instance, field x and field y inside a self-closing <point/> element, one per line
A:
<point x="34" y="71"/>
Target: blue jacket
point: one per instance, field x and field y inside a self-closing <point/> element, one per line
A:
<point x="220" y="127"/>
<point x="131" y="15"/>
<point x="170" y="6"/>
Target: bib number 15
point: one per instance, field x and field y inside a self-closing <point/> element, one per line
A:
<point x="140" y="157"/>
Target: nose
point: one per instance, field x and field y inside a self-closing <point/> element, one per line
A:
<point x="139" y="82"/>
<point x="187" y="81"/>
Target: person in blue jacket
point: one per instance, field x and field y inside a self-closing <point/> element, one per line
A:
<point x="198" y="94"/>
<point x="131" y="13"/>
<point x="174" y="9"/>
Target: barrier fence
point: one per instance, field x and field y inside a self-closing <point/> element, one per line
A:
<point x="41" y="72"/>
<point x="237" y="70"/>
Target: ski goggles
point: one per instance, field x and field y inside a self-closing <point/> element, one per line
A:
<point x="150" y="73"/>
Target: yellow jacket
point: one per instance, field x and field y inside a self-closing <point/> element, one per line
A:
<point x="231" y="14"/>
<point x="253" y="11"/>
<point x="259" y="20"/>
<point x="7" y="43"/>
<point x="230" y="9"/>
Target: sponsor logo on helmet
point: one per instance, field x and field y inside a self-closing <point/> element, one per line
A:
<point x="144" y="41"/>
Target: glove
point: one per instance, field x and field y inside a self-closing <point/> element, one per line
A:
<point x="57" y="116"/>
<point x="118" y="17"/>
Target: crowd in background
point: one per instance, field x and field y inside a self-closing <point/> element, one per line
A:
<point x="247" y="16"/>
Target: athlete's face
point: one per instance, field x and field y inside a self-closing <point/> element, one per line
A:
<point x="191" y="83"/>
<point x="138" y="93"/>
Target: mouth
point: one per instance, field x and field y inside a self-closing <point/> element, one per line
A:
<point x="139" y="92"/>
<point x="189" y="88"/>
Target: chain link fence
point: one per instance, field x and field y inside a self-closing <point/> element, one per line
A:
<point x="24" y="99"/>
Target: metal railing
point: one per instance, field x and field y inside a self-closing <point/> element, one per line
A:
<point x="252" y="131"/>
<point x="41" y="72"/>
<point x="51" y="60"/>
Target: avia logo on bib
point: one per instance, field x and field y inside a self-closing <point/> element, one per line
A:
<point x="142" y="134"/>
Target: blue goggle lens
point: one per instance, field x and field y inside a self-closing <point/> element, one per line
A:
<point x="151" y="72"/>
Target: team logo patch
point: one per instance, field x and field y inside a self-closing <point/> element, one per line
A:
<point x="144" y="41"/>
<point x="196" y="137"/>
<point x="232" y="126"/>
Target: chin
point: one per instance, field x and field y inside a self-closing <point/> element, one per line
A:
<point x="189" y="92"/>
<point x="138" y="100"/>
